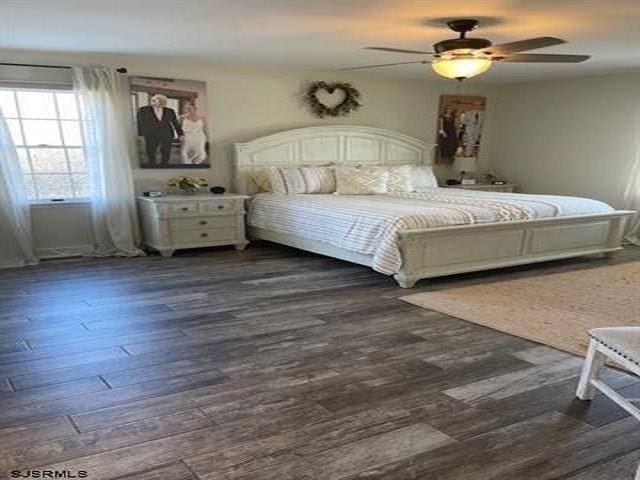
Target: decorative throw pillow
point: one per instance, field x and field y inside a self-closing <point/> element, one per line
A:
<point x="277" y="181"/>
<point x="319" y="179"/>
<point x="399" y="179"/>
<point x="262" y="179"/>
<point x="292" y="180"/>
<point x="361" y="180"/>
<point x="423" y="178"/>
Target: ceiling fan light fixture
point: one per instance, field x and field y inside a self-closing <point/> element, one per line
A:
<point x="461" y="67"/>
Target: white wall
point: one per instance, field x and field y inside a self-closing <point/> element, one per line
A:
<point x="568" y="137"/>
<point x="247" y="103"/>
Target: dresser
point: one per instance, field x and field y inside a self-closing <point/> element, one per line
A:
<point x="173" y="222"/>
<point x="487" y="187"/>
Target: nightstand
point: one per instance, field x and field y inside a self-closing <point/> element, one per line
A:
<point x="174" y="222"/>
<point x="488" y="187"/>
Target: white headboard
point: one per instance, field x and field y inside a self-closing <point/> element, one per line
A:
<point x="338" y="144"/>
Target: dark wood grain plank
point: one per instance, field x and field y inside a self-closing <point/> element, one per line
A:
<point x="47" y="393"/>
<point x="107" y="398"/>
<point x="26" y="434"/>
<point x="109" y="438"/>
<point x="176" y="471"/>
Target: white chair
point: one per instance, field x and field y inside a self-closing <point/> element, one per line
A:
<point x="620" y="344"/>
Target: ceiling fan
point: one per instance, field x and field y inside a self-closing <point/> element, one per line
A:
<point x="462" y="57"/>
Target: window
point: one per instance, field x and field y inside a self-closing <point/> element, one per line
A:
<point x="45" y="127"/>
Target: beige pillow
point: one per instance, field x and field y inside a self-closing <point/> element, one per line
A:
<point x="319" y="179"/>
<point x="277" y="181"/>
<point x="399" y="179"/>
<point x="361" y="180"/>
<point x="262" y="179"/>
<point x="292" y="180"/>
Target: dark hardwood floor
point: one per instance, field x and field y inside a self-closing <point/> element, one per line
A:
<point x="277" y="364"/>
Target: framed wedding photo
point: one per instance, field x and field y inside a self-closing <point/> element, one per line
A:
<point x="460" y="122"/>
<point x="171" y="122"/>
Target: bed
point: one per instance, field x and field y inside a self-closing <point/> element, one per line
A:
<point x="413" y="236"/>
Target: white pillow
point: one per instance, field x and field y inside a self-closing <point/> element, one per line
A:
<point x="400" y="179"/>
<point x="292" y="180"/>
<point x="361" y="180"/>
<point x="423" y="178"/>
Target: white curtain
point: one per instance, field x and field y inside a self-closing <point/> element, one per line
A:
<point x="16" y="244"/>
<point x="103" y="95"/>
<point x="632" y="201"/>
<point x="632" y="192"/>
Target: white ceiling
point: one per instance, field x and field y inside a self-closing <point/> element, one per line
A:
<point x="327" y="34"/>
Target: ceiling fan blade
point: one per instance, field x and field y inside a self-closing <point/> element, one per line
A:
<point x="382" y="65"/>
<point x="398" y="50"/>
<point x="523" y="45"/>
<point x="544" y="58"/>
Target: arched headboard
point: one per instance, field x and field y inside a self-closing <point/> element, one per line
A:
<point x="338" y="144"/>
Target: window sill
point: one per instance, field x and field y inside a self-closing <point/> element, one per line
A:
<point x="76" y="202"/>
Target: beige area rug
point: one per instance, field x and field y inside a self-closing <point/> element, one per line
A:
<point x="556" y="309"/>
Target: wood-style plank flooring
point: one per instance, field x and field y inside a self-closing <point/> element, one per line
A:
<point x="278" y="364"/>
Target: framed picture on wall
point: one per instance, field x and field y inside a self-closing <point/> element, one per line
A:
<point x="460" y="122"/>
<point x="171" y="122"/>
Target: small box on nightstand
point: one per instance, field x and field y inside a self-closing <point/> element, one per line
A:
<point x="487" y="187"/>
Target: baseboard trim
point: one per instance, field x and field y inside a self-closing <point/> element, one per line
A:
<point x="63" y="252"/>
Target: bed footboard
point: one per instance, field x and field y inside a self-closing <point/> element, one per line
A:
<point x="449" y="250"/>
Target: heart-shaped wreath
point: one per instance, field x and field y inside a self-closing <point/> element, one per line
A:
<point x="348" y="104"/>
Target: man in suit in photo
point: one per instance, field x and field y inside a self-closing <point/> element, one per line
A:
<point x="159" y="126"/>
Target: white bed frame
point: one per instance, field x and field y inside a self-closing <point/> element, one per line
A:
<point x="429" y="252"/>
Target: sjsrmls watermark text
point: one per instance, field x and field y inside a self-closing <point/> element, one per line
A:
<point x="49" y="474"/>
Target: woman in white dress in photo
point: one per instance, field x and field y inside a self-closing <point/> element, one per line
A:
<point x="195" y="136"/>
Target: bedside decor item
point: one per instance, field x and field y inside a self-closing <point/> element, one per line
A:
<point x="175" y="221"/>
<point x="465" y="165"/>
<point x="487" y="187"/>
<point x="217" y="190"/>
<point x="459" y="130"/>
<point x="171" y="121"/>
<point x="344" y="104"/>
<point x="490" y="176"/>
<point x="187" y="185"/>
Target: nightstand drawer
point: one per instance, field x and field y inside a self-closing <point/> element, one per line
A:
<point x="225" y="206"/>
<point x="200" y="223"/>
<point x="191" y="237"/>
<point x="182" y="208"/>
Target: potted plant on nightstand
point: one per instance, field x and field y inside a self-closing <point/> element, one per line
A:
<point x="187" y="185"/>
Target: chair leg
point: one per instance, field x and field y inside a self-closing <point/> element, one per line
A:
<point x="590" y="370"/>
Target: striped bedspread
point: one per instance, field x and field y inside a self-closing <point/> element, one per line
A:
<point x="369" y="224"/>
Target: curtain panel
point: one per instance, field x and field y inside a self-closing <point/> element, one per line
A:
<point x="631" y="199"/>
<point x="16" y="243"/>
<point x="632" y="202"/>
<point x="104" y="99"/>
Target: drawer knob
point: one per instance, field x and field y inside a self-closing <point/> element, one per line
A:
<point x="203" y="222"/>
<point x="220" y="207"/>
<point x="204" y="234"/>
